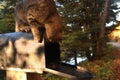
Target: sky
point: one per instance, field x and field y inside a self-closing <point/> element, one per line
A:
<point x="118" y="16"/>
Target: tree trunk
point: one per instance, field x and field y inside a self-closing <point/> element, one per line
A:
<point x="75" y="59"/>
<point x="100" y="43"/>
<point x="103" y="18"/>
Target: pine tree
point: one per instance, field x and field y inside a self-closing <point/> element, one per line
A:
<point x="84" y="24"/>
<point x="7" y="15"/>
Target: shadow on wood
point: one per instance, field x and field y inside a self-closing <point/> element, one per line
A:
<point x="18" y="50"/>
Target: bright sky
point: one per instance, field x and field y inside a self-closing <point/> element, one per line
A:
<point x="118" y="16"/>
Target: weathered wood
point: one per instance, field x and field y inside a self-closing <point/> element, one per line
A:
<point x="20" y="57"/>
<point x="72" y="77"/>
<point x="15" y="75"/>
<point x="18" y="50"/>
<point x="19" y="75"/>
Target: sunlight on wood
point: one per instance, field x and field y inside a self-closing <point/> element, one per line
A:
<point x="26" y="70"/>
<point x="60" y="73"/>
<point x="15" y="75"/>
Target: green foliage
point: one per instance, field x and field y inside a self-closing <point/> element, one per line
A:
<point x="49" y="76"/>
<point x="76" y="40"/>
<point x="3" y="27"/>
<point x="7" y="16"/>
<point x="74" y="43"/>
<point x="102" y="68"/>
<point x="102" y="71"/>
<point x="82" y="25"/>
<point x="6" y="25"/>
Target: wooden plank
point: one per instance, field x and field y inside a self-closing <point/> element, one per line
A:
<point x="16" y="75"/>
<point x="60" y="74"/>
<point x="13" y="74"/>
<point x="71" y="72"/>
<point x="40" y="71"/>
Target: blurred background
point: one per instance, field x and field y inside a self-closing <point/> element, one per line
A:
<point x="88" y="25"/>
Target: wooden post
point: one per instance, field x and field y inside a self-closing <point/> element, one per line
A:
<point x="16" y="75"/>
<point x="34" y="76"/>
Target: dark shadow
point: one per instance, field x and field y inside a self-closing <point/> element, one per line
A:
<point x="2" y="74"/>
<point x="3" y="41"/>
<point x="40" y="50"/>
<point x="34" y="76"/>
<point x="52" y="54"/>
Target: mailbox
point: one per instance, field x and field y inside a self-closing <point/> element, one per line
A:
<point x="19" y="51"/>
